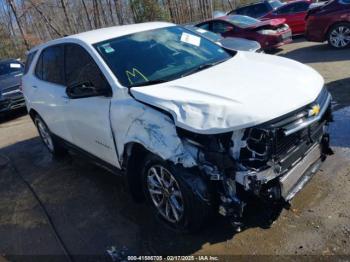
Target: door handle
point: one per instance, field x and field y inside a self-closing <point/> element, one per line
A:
<point x="35" y="87"/>
<point x="65" y="97"/>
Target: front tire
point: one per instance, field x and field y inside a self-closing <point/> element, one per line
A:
<point x="339" y="36"/>
<point x="172" y="197"/>
<point x="54" y="147"/>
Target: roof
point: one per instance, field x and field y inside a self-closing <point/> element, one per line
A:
<point x="100" y="35"/>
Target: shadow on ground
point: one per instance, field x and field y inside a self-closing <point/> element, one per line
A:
<point x="8" y="116"/>
<point x="91" y="210"/>
<point x="320" y="53"/>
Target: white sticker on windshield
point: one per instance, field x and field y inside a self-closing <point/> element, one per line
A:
<point x="13" y="65"/>
<point x="191" y="39"/>
<point x="108" y="49"/>
<point x="202" y="31"/>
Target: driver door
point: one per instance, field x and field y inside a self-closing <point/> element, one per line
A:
<point x="87" y="110"/>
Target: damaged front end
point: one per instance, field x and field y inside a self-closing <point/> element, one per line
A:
<point x="272" y="161"/>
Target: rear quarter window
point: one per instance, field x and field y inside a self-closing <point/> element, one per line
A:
<point x="29" y="61"/>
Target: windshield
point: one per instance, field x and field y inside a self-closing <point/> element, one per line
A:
<point x="10" y="67"/>
<point x="159" y="55"/>
<point x="275" y="4"/>
<point x="210" y="35"/>
<point x="242" y="21"/>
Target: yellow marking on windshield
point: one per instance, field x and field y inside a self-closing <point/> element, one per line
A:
<point x="135" y="72"/>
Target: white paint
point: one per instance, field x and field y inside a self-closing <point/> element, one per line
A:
<point x="247" y="90"/>
<point x="135" y="122"/>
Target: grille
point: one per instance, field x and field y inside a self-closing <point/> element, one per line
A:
<point x="10" y="89"/>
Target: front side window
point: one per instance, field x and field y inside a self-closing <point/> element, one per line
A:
<point x="221" y="27"/>
<point x="80" y="68"/>
<point x="52" y="64"/>
<point x="159" y="55"/>
<point x="345" y="2"/>
<point x="12" y="67"/>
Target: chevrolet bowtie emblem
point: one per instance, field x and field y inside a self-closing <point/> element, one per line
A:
<point x="315" y="110"/>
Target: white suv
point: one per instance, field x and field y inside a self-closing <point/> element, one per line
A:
<point x="193" y="126"/>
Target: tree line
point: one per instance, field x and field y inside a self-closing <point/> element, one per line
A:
<point x="26" y="23"/>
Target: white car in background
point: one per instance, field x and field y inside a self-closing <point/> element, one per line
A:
<point x="193" y="126"/>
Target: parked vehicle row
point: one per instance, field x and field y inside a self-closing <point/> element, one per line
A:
<point x="325" y="21"/>
<point x="194" y="127"/>
<point x="293" y="12"/>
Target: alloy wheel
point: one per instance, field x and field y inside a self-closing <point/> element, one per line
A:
<point x="45" y="135"/>
<point x="340" y="36"/>
<point x="165" y="193"/>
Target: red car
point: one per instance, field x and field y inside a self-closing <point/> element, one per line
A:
<point x="294" y="12"/>
<point x="270" y="34"/>
<point x="330" y="22"/>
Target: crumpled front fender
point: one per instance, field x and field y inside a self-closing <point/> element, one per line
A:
<point x="135" y="122"/>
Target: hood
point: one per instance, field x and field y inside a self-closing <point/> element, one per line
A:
<point x="10" y="80"/>
<point x="268" y="23"/>
<point x="247" y="90"/>
<point x="236" y="43"/>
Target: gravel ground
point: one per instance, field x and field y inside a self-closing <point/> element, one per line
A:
<point x="92" y="212"/>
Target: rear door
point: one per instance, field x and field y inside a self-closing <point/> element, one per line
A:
<point x="87" y="116"/>
<point x="47" y="90"/>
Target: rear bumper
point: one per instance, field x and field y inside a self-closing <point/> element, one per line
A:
<point x="8" y="104"/>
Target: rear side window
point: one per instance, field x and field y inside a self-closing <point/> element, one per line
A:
<point x="29" y="61"/>
<point x="50" y="65"/>
<point x="80" y="68"/>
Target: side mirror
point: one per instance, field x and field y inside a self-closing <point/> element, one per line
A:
<point x="85" y="89"/>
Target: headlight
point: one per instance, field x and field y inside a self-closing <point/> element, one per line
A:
<point x="267" y="32"/>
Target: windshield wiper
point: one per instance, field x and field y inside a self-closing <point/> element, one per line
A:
<point x="151" y="82"/>
<point x="202" y="67"/>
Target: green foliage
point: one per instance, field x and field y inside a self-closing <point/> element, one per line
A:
<point x="10" y="48"/>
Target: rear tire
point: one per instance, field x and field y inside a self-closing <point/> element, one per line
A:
<point x="54" y="147"/>
<point x="339" y="36"/>
<point x="169" y="189"/>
